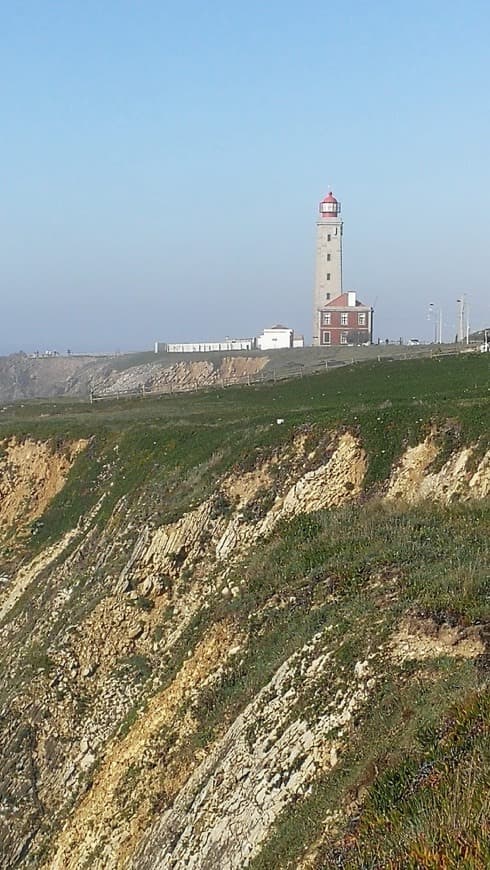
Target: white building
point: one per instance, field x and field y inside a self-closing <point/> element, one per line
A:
<point x="275" y="337"/>
<point x="279" y="337"/>
<point x="328" y="273"/>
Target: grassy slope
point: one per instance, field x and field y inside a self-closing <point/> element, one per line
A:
<point x="428" y="565"/>
<point x="391" y="404"/>
<point x="430" y="560"/>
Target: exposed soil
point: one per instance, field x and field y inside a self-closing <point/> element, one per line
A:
<point x="99" y="815"/>
<point x="422" y="638"/>
<point x="31" y="474"/>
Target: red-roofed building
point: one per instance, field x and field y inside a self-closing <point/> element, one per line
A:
<point x="345" y="321"/>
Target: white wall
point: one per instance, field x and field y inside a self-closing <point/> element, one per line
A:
<point x="271" y="339"/>
<point x="204" y="346"/>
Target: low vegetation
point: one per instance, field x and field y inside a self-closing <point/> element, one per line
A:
<point x="92" y="652"/>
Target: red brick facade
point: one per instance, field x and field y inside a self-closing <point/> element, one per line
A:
<point x="345" y="321"/>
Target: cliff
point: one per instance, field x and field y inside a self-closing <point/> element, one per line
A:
<point x="25" y="377"/>
<point x="229" y="641"/>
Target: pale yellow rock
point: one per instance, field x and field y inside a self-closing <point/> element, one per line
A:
<point x="31" y="474"/>
<point x="417" y="638"/>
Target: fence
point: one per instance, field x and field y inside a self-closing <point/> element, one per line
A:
<point x="195" y="386"/>
<point x="266" y="375"/>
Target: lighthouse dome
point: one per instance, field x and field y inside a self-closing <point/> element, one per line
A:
<point x="330" y="206"/>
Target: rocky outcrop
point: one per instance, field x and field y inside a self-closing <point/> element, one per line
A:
<point x="466" y="474"/>
<point x="183" y="375"/>
<point x="418" y="638"/>
<point x="220" y="531"/>
<point x="111" y="661"/>
<point x="100" y="822"/>
<point x="31" y="474"/>
<point x="16" y="586"/>
<point x="24" y="377"/>
<point x="268" y="756"/>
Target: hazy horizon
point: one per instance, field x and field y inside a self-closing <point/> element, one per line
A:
<point x="163" y="164"/>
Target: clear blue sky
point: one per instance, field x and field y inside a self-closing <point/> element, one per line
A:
<point x="162" y="164"/>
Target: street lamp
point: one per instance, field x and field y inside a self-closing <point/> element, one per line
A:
<point x="435" y="312"/>
<point x="463" y="320"/>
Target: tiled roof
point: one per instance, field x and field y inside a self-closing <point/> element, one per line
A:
<point x="342" y="302"/>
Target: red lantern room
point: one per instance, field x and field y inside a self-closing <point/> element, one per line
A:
<point x="330" y="207"/>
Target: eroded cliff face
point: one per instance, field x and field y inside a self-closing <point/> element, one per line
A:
<point x="23" y="377"/>
<point x="459" y="477"/>
<point x="31" y="474"/>
<point x="245" y="509"/>
<point x="182" y="375"/>
<point x="120" y="637"/>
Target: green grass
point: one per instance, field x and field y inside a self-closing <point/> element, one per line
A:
<point x="432" y="809"/>
<point x="359" y="568"/>
<point x="332" y="559"/>
<point x="382" y="740"/>
<point x="367" y="386"/>
<point x="170" y="442"/>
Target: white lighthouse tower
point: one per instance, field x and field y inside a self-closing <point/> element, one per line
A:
<point x="328" y="277"/>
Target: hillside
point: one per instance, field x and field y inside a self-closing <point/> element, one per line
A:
<point x="249" y="627"/>
<point x="23" y="377"/>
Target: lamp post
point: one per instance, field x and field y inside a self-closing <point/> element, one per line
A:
<point x="463" y="319"/>
<point x="435" y="313"/>
<point x="459" y="329"/>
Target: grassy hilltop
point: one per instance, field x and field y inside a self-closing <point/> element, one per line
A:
<point x="362" y="620"/>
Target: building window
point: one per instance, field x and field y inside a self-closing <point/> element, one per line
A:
<point x="327" y="296"/>
<point x="329" y="257"/>
<point x="343" y="338"/>
<point x="344" y="319"/>
<point x="329" y="237"/>
<point x="328" y="276"/>
<point x="326" y="318"/>
<point x="325" y="338"/>
<point x="361" y="319"/>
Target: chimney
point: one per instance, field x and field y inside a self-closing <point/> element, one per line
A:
<point x="351" y="298"/>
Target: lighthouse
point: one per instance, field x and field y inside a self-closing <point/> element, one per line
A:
<point x="328" y="273"/>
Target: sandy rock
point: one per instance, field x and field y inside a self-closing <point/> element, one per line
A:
<point x="419" y="638"/>
<point x="31" y="474"/>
